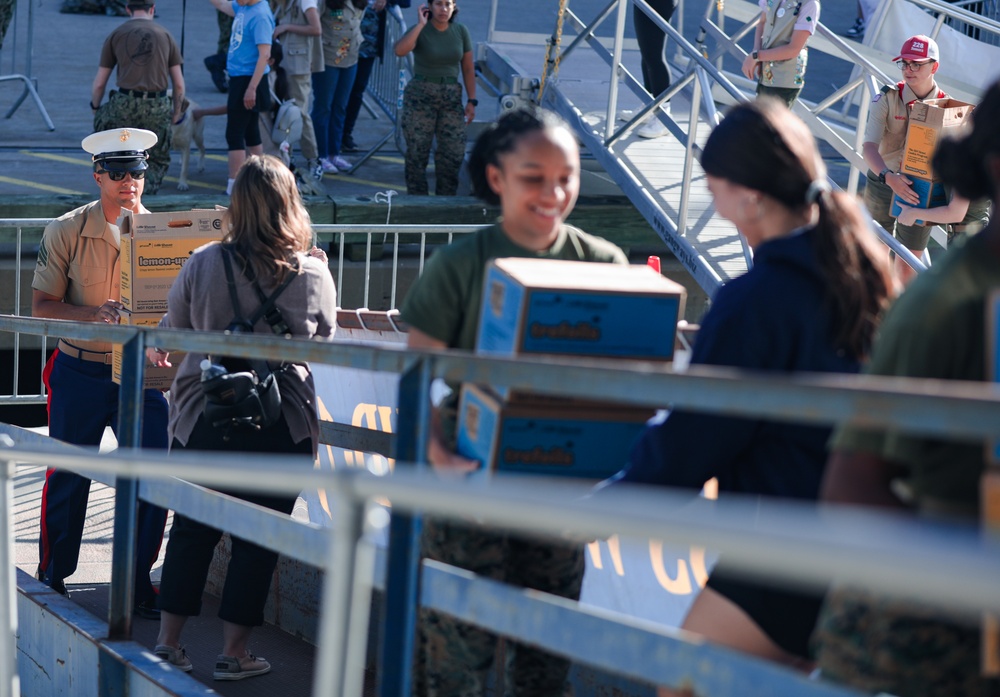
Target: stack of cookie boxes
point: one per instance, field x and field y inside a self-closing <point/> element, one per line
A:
<point x="929" y="122"/>
<point x="154" y="247"/>
<point x="542" y="307"/>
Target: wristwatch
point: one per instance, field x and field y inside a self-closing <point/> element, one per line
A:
<point x="755" y="55"/>
<point x="881" y="175"/>
<point x="474" y="102"/>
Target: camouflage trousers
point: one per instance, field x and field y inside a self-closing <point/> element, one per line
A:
<point x="881" y="645"/>
<point x="433" y="111"/>
<point x="453" y="659"/>
<point x="6" y="13"/>
<point x="115" y="8"/>
<point x="225" y="23"/>
<point x="125" y="111"/>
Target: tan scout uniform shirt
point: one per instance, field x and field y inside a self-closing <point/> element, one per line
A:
<point x="78" y="262"/>
<point x="887" y="121"/>
<point x="342" y="35"/>
<point x="303" y="54"/>
<point x="782" y="19"/>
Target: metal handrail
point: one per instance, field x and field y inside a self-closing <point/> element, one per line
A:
<point x="385" y="86"/>
<point x="702" y="72"/>
<point x="952" y="566"/>
<point x="326" y="234"/>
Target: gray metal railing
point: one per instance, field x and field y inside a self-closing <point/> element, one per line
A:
<point x="706" y="83"/>
<point x="385" y="86"/>
<point x="333" y="237"/>
<point x="951" y="566"/>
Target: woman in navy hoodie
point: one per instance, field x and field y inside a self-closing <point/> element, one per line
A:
<point x="811" y="302"/>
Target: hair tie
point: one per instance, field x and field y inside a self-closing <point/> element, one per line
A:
<point x="816" y="187"/>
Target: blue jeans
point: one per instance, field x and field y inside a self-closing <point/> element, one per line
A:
<point x="331" y="90"/>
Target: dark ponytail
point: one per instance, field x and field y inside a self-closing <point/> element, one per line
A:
<point x="961" y="162"/>
<point x="502" y="137"/>
<point x="763" y="146"/>
<point x="856" y="269"/>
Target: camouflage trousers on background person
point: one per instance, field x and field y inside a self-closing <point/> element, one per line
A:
<point x="430" y="111"/>
<point x="112" y="8"/>
<point x="879" y="644"/>
<point x="225" y="23"/>
<point x="453" y="659"/>
<point x="125" y="111"/>
<point x="6" y="13"/>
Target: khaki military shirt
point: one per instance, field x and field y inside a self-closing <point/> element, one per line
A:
<point x="888" y="118"/>
<point x="78" y="261"/>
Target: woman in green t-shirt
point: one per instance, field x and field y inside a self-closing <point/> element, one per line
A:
<point x="432" y="101"/>
<point x="528" y="163"/>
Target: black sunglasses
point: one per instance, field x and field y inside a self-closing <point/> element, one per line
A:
<point x="137" y="174"/>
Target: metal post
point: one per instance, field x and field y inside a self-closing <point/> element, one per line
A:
<point x="376" y="519"/>
<point x="401" y="585"/>
<point x="492" y="24"/>
<point x="337" y="583"/>
<point x="689" y="146"/>
<point x="10" y="685"/>
<point x="855" y="174"/>
<point x="27" y="79"/>
<point x="616" y="61"/>
<point x="126" y="490"/>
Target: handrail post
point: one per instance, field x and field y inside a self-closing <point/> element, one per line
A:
<point x="334" y="630"/>
<point x="616" y="62"/>
<point x="126" y="491"/>
<point x="10" y="685"/>
<point x="402" y="579"/>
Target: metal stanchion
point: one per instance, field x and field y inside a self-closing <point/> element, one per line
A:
<point x="9" y="680"/>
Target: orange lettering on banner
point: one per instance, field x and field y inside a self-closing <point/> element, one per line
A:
<point x="678" y="586"/>
<point x="614" y="551"/>
<point x="698" y="569"/>
<point x="385" y="418"/>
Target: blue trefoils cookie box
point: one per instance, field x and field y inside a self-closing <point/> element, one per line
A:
<point x="575" y="308"/>
<point x="932" y="195"/>
<point x="546" y="439"/>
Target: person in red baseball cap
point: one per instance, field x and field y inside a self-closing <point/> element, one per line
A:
<point x="885" y="135"/>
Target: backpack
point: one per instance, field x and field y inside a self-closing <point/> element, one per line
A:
<point x="287" y="123"/>
<point x="243" y="393"/>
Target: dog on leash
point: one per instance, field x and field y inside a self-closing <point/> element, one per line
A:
<point x="184" y="133"/>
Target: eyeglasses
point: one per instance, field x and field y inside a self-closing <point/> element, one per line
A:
<point x="137" y="174"/>
<point x="912" y="66"/>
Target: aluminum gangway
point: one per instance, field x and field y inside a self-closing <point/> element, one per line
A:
<point x="590" y="79"/>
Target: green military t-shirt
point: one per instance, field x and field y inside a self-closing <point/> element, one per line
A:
<point x="439" y="53"/>
<point x="444" y="302"/>
<point x="936" y="329"/>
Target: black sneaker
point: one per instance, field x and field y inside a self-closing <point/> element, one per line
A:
<point x="216" y="64"/>
<point x="347" y="144"/>
<point x="147" y="610"/>
<point x="58" y="586"/>
<point x="857" y="30"/>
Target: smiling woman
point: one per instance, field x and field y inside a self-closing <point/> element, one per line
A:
<point x="528" y="163"/>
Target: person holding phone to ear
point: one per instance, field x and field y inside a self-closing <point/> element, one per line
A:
<point x="432" y="101"/>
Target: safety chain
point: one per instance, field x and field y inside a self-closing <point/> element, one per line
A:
<point x="554" y="40"/>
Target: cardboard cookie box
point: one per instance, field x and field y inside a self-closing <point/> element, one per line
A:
<point x="590" y="442"/>
<point x="155" y="378"/>
<point x="154" y="247"/>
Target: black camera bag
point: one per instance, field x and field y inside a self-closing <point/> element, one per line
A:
<point x="244" y="393"/>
